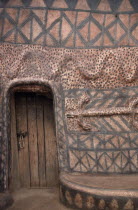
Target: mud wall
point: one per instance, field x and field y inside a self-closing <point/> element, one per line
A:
<point x="87" y="54"/>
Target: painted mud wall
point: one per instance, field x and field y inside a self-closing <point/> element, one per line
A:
<point x="88" y="55"/>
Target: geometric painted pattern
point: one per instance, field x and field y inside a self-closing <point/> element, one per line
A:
<point x="113" y="147"/>
<point x="106" y="99"/>
<point x="104" y="153"/>
<point x="78" y="199"/>
<point x="25" y="24"/>
<point x="60" y="128"/>
<point x="111" y="5"/>
<point x="103" y="161"/>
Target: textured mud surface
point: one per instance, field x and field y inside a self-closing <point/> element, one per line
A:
<point x="37" y="199"/>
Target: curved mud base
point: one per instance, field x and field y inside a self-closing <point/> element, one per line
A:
<point x="6" y="200"/>
<point x="99" y="192"/>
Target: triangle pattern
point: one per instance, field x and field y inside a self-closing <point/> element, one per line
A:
<point x="71" y="3"/>
<point x="135" y="32"/>
<point x="134" y="3"/>
<point x="93" y="4"/>
<point x="125" y="6"/>
<point x="107" y="41"/>
<point x="99" y="18"/>
<point x="40" y="15"/>
<point x="74" y="159"/>
<point x="112" y="142"/>
<point x="52" y="16"/>
<point x="124" y="142"/>
<point x="112" y="31"/>
<point x="59" y="4"/>
<point x="108" y="161"/>
<point x="78" y="167"/>
<point x="14" y="3"/>
<point x="26" y="3"/>
<point x="101" y="161"/>
<point x="109" y="19"/>
<point x="104" y="6"/>
<point x="20" y="39"/>
<point x="37" y="30"/>
<point x="92" y="163"/>
<point x="85" y="162"/>
<point x="120" y="31"/>
<point x="37" y="3"/>
<point x="84" y="31"/>
<point x="26" y="29"/>
<point x="115" y="4"/>
<point x="71" y="16"/>
<point x="24" y="15"/>
<point x="79" y="42"/>
<point x="12" y="13"/>
<point x="83" y="5"/>
<point x="81" y="17"/>
<point x="7" y="26"/>
<point x="11" y="37"/>
<point x="55" y="31"/>
<point x="40" y="40"/>
<point x="94" y="30"/>
<point x="124" y="19"/>
<point x="72" y="142"/>
<point x="49" y="3"/>
<point x="66" y="29"/>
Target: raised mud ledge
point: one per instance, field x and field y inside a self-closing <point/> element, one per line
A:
<point x="6" y="200"/>
<point x="111" y="192"/>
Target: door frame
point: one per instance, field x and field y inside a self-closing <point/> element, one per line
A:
<point x="56" y="90"/>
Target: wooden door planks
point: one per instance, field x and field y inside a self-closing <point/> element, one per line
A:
<point x="14" y="174"/>
<point x="40" y="139"/>
<point x="50" y="144"/>
<point x="36" y="164"/>
<point x="33" y="144"/>
<point x="21" y="119"/>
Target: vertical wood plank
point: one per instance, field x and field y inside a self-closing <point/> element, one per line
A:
<point x="21" y="118"/>
<point x="41" y="142"/>
<point x="33" y="144"/>
<point x="50" y="144"/>
<point x="14" y="182"/>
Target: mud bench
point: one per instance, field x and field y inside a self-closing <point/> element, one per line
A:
<point x="83" y="191"/>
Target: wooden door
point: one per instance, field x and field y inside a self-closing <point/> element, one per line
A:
<point x="34" y="151"/>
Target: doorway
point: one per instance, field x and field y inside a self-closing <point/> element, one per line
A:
<point x="34" y="161"/>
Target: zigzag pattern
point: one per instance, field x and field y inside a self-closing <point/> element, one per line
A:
<point x="83" y="30"/>
<point x="60" y="127"/>
<point x="103" y="142"/>
<point x="122" y="93"/>
<point x="109" y="161"/>
<point x="108" y="5"/>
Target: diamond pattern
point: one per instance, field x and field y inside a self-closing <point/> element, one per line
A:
<point x="69" y="29"/>
<point x="24" y="24"/>
<point x="118" y="161"/>
<point x="104" y="142"/>
<point x="113" y="144"/>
